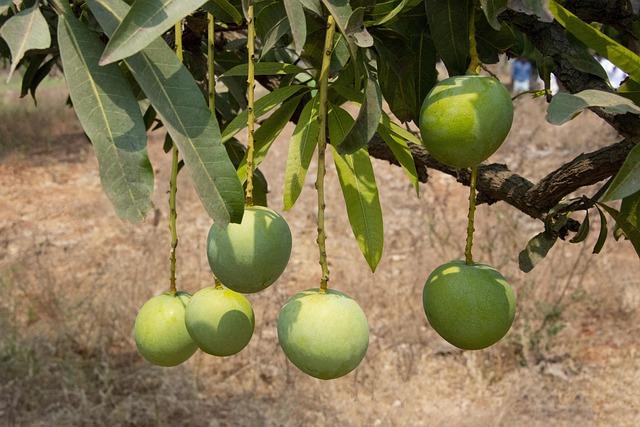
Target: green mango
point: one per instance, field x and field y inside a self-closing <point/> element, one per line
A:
<point x="470" y="306"/>
<point x="324" y="334"/>
<point x="465" y="119"/>
<point x="160" y="333"/>
<point x="220" y="321"/>
<point x="250" y="256"/>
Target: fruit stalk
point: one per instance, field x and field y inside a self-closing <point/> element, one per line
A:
<point x="471" y="218"/>
<point x="474" y="64"/>
<point x="211" y="35"/>
<point x="251" y="118"/>
<point x="173" y="184"/>
<point x="322" y="145"/>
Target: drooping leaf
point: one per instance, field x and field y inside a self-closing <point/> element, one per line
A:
<point x="111" y="118"/>
<point x="223" y="10"/>
<point x="632" y="232"/>
<point x="370" y="113"/>
<point x="356" y="31"/>
<point x="272" y="24"/>
<point x="604" y="45"/>
<point x="627" y="180"/>
<point x="167" y="84"/>
<point x="583" y="231"/>
<point x="237" y="153"/>
<point x="146" y="21"/>
<point x="264" y="69"/>
<point x="339" y="122"/>
<point x="313" y="5"/>
<point x="491" y="9"/>
<point x="297" y="22"/>
<point x="262" y="106"/>
<point x="602" y="236"/>
<point x="630" y="209"/>
<point x="565" y="106"/>
<point x="393" y="12"/>
<point x="358" y="184"/>
<point x="449" y="24"/>
<point x="267" y="133"/>
<point x="401" y="151"/>
<point x="301" y="148"/>
<point x="352" y="31"/>
<point x="25" y="31"/>
<point x="537" y="248"/>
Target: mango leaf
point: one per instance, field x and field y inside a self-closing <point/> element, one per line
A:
<point x="267" y="133"/>
<point x="449" y="24"/>
<point x="565" y="106"/>
<point x="540" y="8"/>
<point x="630" y="209"/>
<point x="630" y="89"/>
<point x="167" y="84"/>
<point x="110" y="116"/>
<point x="297" y="22"/>
<point x="146" y="21"/>
<point x="401" y="151"/>
<point x="264" y="69"/>
<point x="370" y="113"/>
<point x="339" y="123"/>
<point x="237" y="153"/>
<point x="627" y="180"/>
<point x="491" y="9"/>
<point x="348" y="25"/>
<point x="301" y="148"/>
<point x="262" y="106"/>
<point x="393" y="12"/>
<point x="632" y="232"/>
<point x="537" y="248"/>
<point x="358" y="184"/>
<point x="25" y="31"/>
<point x="583" y="231"/>
<point x="272" y="24"/>
<point x="598" y="41"/>
<point x="313" y="5"/>
<point x="602" y="236"/>
<point x="223" y="10"/>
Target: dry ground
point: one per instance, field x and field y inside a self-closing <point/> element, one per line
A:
<point x="72" y="276"/>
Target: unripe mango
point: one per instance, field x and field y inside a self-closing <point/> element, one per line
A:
<point x="465" y="119"/>
<point x="160" y="333"/>
<point x="220" y="321"/>
<point x="250" y="256"/>
<point x="470" y="306"/>
<point x="324" y="334"/>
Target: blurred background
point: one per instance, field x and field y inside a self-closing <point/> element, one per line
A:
<point x="72" y="277"/>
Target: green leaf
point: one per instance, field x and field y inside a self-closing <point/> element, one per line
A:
<point x="627" y="180"/>
<point x="401" y="151"/>
<point x="297" y="22"/>
<point x="370" y="113"/>
<point x="261" y="107"/>
<point x="491" y="9"/>
<point x="632" y="232"/>
<point x="536" y="250"/>
<point x="301" y="148"/>
<point x="449" y="24"/>
<point x="360" y="192"/>
<point x="339" y="123"/>
<point x="583" y="231"/>
<point x="264" y="69"/>
<point x="182" y="108"/>
<point x="272" y="24"/>
<point x="267" y="133"/>
<point x="602" y="236"/>
<point x="25" y="31"/>
<point x="224" y="11"/>
<point x="313" y="5"/>
<point x="392" y="13"/>
<point x="630" y="209"/>
<point x="111" y="118"/>
<point x="349" y="23"/>
<point x="598" y="41"/>
<point x="146" y="21"/>
<point x="539" y="8"/>
<point x="565" y="106"/>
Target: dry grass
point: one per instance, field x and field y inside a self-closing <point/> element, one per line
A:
<point x="72" y="277"/>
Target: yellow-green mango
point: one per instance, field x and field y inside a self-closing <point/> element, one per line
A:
<point x="465" y="119"/>
<point x="324" y="334"/>
<point x="471" y="306"/>
<point x="220" y="321"/>
<point x="160" y="333"/>
<point x="250" y="256"/>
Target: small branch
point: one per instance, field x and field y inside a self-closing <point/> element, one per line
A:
<point x="468" y="251"/>
<point x="251" y="117"/>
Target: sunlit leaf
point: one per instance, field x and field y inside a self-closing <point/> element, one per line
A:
<point x="297" y="22"/>
<point x="632" y="232"/>
<point x="627" y="180"/>
<point x="537" y="248"/>
<point x="449" y="24"/>
<point x="401" y="151"/>
<point x="565" y="106"/>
